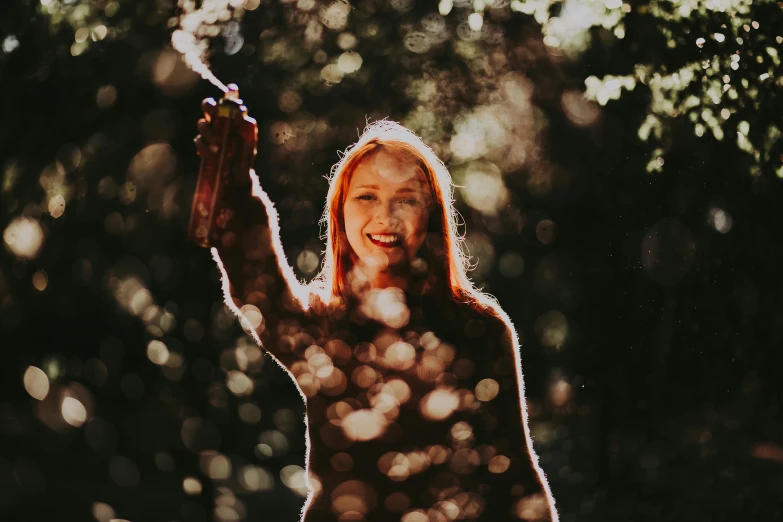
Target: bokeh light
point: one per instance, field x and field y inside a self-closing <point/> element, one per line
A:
<point x="24" y="237"/>
<point x="73" y="411"/>
<point x="36" y="383"/>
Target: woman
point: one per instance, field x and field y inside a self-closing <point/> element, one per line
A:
<point x="411" y="376"/>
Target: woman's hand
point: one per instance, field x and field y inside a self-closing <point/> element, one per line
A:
<point x="241" y="143"/>
<point x="206" y="141"/>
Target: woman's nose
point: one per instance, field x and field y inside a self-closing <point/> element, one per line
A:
<point x="385" y="213"/>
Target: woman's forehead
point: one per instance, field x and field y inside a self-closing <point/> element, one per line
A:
<point x="388" y="169"/>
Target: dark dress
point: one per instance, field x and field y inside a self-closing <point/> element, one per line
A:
<point x="420" y="421"/>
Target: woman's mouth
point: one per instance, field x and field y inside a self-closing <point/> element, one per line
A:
<point x="385" y="240"/>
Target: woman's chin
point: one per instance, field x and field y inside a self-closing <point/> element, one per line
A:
<point x="389" y="261"/>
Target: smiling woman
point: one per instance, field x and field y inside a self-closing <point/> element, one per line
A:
<point x="411" y="376"/>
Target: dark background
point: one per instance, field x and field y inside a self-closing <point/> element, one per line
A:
<point x="659" y="397"/>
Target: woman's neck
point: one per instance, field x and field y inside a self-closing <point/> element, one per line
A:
<point x="395" y="276"/>
<point x="389" y="279"/>
<point x="411" y="282"/>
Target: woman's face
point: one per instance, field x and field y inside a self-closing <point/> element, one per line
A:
<point x="386" y="210"/>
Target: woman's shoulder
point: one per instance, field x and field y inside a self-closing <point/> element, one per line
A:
<point x="493" y="319"/>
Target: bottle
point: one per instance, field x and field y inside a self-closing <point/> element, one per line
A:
<point x="226" y="170"/>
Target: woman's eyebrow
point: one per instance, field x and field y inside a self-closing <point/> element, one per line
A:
<point x="375" y="187"/>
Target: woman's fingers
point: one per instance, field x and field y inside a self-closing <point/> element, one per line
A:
<point x="206" y="140"/>
<point x="207" y="132"/>
<point x="209" y="107"/>
<point x="202" y="147"/>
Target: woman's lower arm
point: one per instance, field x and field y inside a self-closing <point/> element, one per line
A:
<point x="258" y="283"/>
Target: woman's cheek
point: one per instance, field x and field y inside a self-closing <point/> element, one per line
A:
<point x="352" y="219"/>
<point x="418" y="235"/>
<point x="355" y="237"/>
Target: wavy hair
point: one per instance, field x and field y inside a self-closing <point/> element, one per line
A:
<point x="443" y="251"/>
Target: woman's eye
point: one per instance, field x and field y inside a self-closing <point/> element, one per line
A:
<point x="370" y="197"/>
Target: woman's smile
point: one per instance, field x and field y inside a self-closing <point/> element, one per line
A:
<point x="385" y="240"/>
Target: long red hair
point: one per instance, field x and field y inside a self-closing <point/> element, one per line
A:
<point x="443" y="250"/>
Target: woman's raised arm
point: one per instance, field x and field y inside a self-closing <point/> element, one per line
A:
<point x="258" y="283"/>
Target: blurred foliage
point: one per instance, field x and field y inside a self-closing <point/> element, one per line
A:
<point x="648" y="305"/>
<point x="720" y="67"/>
<point x="715" y="53"/>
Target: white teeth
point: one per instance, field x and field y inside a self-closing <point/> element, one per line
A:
<point x="384" y="238"/>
